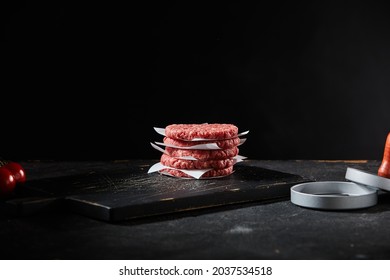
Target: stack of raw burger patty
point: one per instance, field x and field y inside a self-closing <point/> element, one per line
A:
<point x="179" y="137"/>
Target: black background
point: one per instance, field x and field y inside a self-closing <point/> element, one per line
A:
<point x="90" y="80"/>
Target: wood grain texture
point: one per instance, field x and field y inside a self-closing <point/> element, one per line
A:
<point x="152" y="194"/>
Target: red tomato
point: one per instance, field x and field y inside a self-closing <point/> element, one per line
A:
<point x="7" y="181"/>
<point x="17" y="171"/>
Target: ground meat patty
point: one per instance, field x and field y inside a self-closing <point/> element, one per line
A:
<point x="195" y="164"/>
<point x="223" y="144"/>
<point x="203" y="154"/>
<point x="207" y="131"/>
<point x="208" y="174"/>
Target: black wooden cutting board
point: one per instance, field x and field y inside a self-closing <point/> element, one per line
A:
<point x="117" y="195"/>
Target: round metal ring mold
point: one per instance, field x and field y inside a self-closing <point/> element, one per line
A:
<point x="333" y="195"/>
<point x="367" y="179"/>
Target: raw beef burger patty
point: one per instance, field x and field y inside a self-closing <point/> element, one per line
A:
<point x="207" y="131"/>
<point x="208" y="174"/>
<point x="203" y="154"/>
<point x="195" y="164"/>
<point x="223" y="144"/>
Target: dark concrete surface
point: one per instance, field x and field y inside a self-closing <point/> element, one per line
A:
<point x="273" y="230"/>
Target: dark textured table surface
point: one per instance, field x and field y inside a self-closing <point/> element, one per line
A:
<point x="272" y="230"/>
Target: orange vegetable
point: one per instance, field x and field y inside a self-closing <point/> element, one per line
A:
<point x="384" y="169"/>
